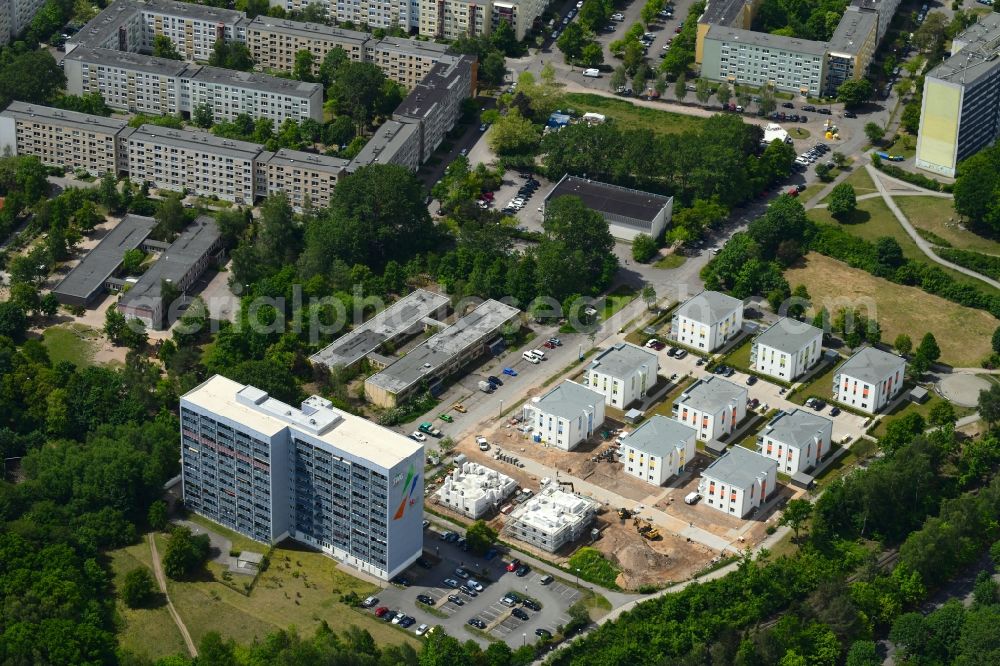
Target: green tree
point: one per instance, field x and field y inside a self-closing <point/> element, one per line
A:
<point x="942" y="414"/>
<point x="639" y="80"/>
<point x="989" y="404"/>
<point x="680" y="88"/>
<point x="185" y="553"/>
<point x="514" y="134"/>
<point x="592" y="54"/>
<point x="618" y="77"/>
<point x="157" y="514"/>
<point x="571" y="41"/>
<point x="843" y="201"/>
<point x="480" y="537"/>
<point x="824" y="172"/>
<point x="902" y="344"/>
<point x="702" y="91"/>
<point x="202" y="115"/>
<point x="163" y="47"/>
<point x="332" y="61"/>
<point x="32" y="76"/>
<point x="723" y="93"/>
<point x="13" y="321"/>
<point x="360" y="90"/>
<point x="855" y="92"/>
<point x="874" y="132"/>
<point x="928" y="348"/>
<point x="137" y="588"/>
<point x="797" y="513"/>
<point x="170" y="218"/>
<point x="49" y="305"/>
<point x="575" y="253"/>
<point x="132" y="261"/>
<point x="303" y="67"/>
<point x="644" y="248"/>
<point x="648" y="294"/>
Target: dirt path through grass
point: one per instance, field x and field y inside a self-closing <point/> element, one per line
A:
<point x="162" y="582"/>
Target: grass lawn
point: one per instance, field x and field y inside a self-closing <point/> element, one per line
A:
<point x="671" y="261"/>
<point x="859" y="451"/>
<point x="937" y="215"/>
<point x="907" y="407"/>
<point x="616" y="300"/>
<point x="74" y="343"/>
<point x="632" y="116"/>
<point x="240" y="542"/>
<point x="594" y="567"/>
<point x="861" y="182"/>
<point x="898" y="147"/>
<point x="301" y="588"/>
<point x="820" y="387"/>
<point x="663" y="407"/>
<point x="799" y="133"/>
<point x="740" y="357"/>
<point x="149" y="632"/>
<point x="962" y="333"/>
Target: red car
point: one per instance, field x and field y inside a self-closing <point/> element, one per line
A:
<point x="677" y="29"/>
<point x="381" y="610"/>
<point x="549" y="345"/>
<point x="514" y="564"/>
<point x="488" y="196"/>
<point x="792" y="192"/>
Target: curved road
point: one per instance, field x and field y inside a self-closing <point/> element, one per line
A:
<point x="162" y="581"/>
<point x="924" y="246"/>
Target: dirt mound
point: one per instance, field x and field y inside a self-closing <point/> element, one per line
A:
<point x="640" y="564"/>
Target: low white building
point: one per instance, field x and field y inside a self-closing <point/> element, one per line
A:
<point x="712" y="406"/>
<point x="738" y="482"/>
<point x="474" y="490"/>
<point x="658" y="449"/>
<point x="552" y="518"/>
<point x="623" y="374"/>
<point x="796" y="440"/>
<point x="869" y="379"/>
<point x="787" y="349"/>
<point x="566" y="415"/>
<point x="707" y="321"/>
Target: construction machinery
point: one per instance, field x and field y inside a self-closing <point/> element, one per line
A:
<point x="624" y="514"/>
<point x="651" y="534"/>
<point x="646" y="529"/>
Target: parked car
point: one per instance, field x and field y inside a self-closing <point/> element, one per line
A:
<point x="510" y="599"/>
<point x="423" y="563"/>
<point x="819" y="405"/>
<point x="462" y="573"/>
<point x="474" y="584"/>
<point x="522" y="571"/>
<point x="543" y="633"/>
<point x="369" y="602"/>
<point x="407" y="622"/>
<point x="808" y="107"/>
<point x="465" y="589"/>
<point x="752" y="379"/>
<point x="421" y="630"/>
<point x="389" y="616"/>
<point x="455" y="599"/>
<point x="451" y="582"/>
<point x="834" y="410"/>
<point x="477" y="623"/>
<point x="459" y="407"/>
<point x="484" y="444"/>
<point x="520" y="614"/>
<point x="850" y="114"/>
<point x="510" y="372"/>
<point x="381" y="610"/>
<point x="692" y="498"/>
<point x="532" y="604"/>
<point x="513" y="564"/>
<point x="419" y="436"/>
<point x="546" y="579"/>
<point x="494" y="380"/>
<point x="681" y="353"/>
<point x="556" y="341"/>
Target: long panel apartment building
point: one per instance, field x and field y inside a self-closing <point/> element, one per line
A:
<point x="15" y="16"/>
<point x="193" y="28"/>
<point x="326" y="478"/>
<point x="960" y="108"/>
<point x="273" y="42"/>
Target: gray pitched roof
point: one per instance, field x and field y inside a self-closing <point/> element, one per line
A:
<point x="708" y="395"/>
<point x="796" y="428"/>
<point x="788" y="335"/>
<point x="623" y="359"/>
<point x="659" y="436"/>
<point x="568" y="400"/>
<point x="870" y="365"/>
<point x="708" y="307"/>
<point x="739" y="467"/>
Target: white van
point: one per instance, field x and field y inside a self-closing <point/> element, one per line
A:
<point x="539" y="353"/>
<point x="593" y="73"/>
<point x="530" y="358"/>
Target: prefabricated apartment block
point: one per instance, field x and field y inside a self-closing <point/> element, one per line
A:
<point x="552" y="518"/>
<point x="442" y="354"/>
<point x="707" y="321"/>
<point x="326" y="478"/>
<point x="565" y="416"/>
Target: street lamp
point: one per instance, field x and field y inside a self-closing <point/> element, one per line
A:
<point x="524" y="639"/>
<point x="577" y="576"/>
<point x="501" y="408"/>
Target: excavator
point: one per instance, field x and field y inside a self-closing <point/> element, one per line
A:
<point x="624" y="514"/>
<point x="646" y="529"/>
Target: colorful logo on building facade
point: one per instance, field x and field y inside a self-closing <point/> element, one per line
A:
<point x="411" y="481"/>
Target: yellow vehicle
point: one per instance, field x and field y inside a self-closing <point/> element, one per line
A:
<point x="651" y="534"/>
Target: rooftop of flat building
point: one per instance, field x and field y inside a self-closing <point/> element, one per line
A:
<point x="709" y="307"/>
<point x="317" y="417"/>
<point x="567" y="400"/>
<point x="766" y="40"/>
<point x="191" y="10"/>
<point x="712" y="394"/>
<point x="255" y="81"/>
<point x="722" y="12"/>
<point x="739" y="467"/>
<point x="870" y="365"/>
<point x="437" y="85"/>
<point x="309" y="30"/>
<point x="393" y="321"/>
<point x="974" y="53"/>
<point x="660" y="436"/>
<point x="788" y="335"/>
<point x="132" y="61"/>
<point x="298" y="159"/>
<point x="796" y="428"/>
<point x="105" y="25"/>
<point x="192" y="140"/>
<point x="610" y="199"/>
<point x="384" y="144"/>
<point x="64" y="118"/>
<point x="89" y="276"/>
<point x="441" y="348"/>
<point x="853" y="31"/>
<point x="415" y="47"/>
<point x="623" y="359"/>
<point x="174" y="264"/>
<point x="553" y="509"/>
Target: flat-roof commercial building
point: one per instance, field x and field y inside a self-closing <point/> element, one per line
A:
<point x="566" y="415"/>
<point x="434" y="104"/>
<point x="307" y="178"/>
<point x="745" y="57"/>
<point x="869" y="380"/>
<point x="851" y="47"/>
<point x="441" y="354"/>
<point x="712" y="406"/>
<point x="94" y="275"/>
<point x="658" y="449"/>
<point x="787" y="349"/>
<point x="552" y="518"/>
<point x="707" y="321"/>
<point x="404" y="318"/>
<point x="326" y="478"/>
<point x="739" y="481"/>
<point x="179" y="160"/>
<point x="274" y="42"/>
<point x="796" y="440"/>
<point x="628" y="212"/>
<point x="473" y="490"/>
<point x="960" y="108"/>
<point x="180" y="265"/>
<point x="623" y="373"/>
<point x="62" y="138"/>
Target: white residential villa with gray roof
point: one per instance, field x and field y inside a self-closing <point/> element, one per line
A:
<point x="739" y="481"/>
<point x="707" y="321"/>
<point x="623" y="374"/>
<point x="787" y="349"/>
<point x="796" y="440"/>
<point x="869" y="380"/>
<point x="566" y="415"/>
<point x="712" y="406"/>
<point x="658" y="449"/>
